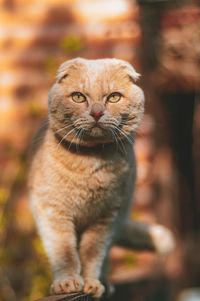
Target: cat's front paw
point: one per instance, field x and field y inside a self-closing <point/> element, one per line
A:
<point x="68" y="284"/>
<point x="93" y="287"/>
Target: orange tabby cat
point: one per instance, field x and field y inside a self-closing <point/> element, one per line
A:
<point x="82" y="175"/>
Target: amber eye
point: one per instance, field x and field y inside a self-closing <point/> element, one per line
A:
<point x="114" y="97"/>
<point x="78" y="97"/>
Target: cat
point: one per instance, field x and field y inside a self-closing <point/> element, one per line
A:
<point x="82" y="174"/>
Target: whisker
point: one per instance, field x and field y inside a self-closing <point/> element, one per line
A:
<point x="64" y="137"/>
<point x="116" y="141"/>
<point x="127" y="119"/>
<point x="72" y="140"/>
<point x="81" y="135"/>
<point x="125" y="135"/>
<point x="80" y="121"/>
<point x="78" y="142"/>
<point x="64" y="128"/>
<point x="122" y="144"/>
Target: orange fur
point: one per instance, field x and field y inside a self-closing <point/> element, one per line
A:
<point x="81" y="185"/>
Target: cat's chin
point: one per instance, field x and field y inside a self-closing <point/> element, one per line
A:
<point x="97" y="132"/>
<point x="97" y="135"/>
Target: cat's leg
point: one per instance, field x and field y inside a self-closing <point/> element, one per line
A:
<point x="60" y="242"/>
<point x="94" y="245"/>
<point x="109" y="287"/>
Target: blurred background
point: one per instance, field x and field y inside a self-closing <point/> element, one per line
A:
<point x="162" y="40"/>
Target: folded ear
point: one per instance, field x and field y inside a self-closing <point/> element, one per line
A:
<point x="133" y="75"/>
<point x="64" y="69"/>
<point x="131" y="72"/>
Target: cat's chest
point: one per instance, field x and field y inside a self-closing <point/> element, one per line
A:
<point x="90" y="187"/>
<point x="95" y="175"/>
<point x="98" y="191"/>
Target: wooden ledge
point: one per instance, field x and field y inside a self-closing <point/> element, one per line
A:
<point x="68" y="297"/>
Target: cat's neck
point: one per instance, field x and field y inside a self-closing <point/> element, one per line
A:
<point x="73" y="155"/>
<point x="85" y="148"/>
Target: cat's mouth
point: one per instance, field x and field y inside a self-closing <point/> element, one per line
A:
<point x="97" y="131"/>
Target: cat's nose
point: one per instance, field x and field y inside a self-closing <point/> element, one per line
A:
<point x="96" y="115"/>
<point x="97" y="111"/>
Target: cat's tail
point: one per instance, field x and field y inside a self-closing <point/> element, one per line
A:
<point x="140" y="236"/>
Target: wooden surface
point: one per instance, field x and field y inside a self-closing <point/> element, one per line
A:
<point x="67" y="297"/>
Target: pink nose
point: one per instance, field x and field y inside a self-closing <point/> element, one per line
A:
<point x="97" y="111"/>
<point x="96" y="115"/>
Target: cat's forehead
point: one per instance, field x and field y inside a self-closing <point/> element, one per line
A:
<point x="105" y="71"/>
<point x="100" y="65"/>
<point x="98" y="69"/>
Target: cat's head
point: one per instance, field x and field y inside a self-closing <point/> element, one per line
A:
<point x="95" y="101"/>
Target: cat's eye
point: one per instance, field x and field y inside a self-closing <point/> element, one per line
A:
<point x="114" y="97"/>
<point x="78" y="97"/>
